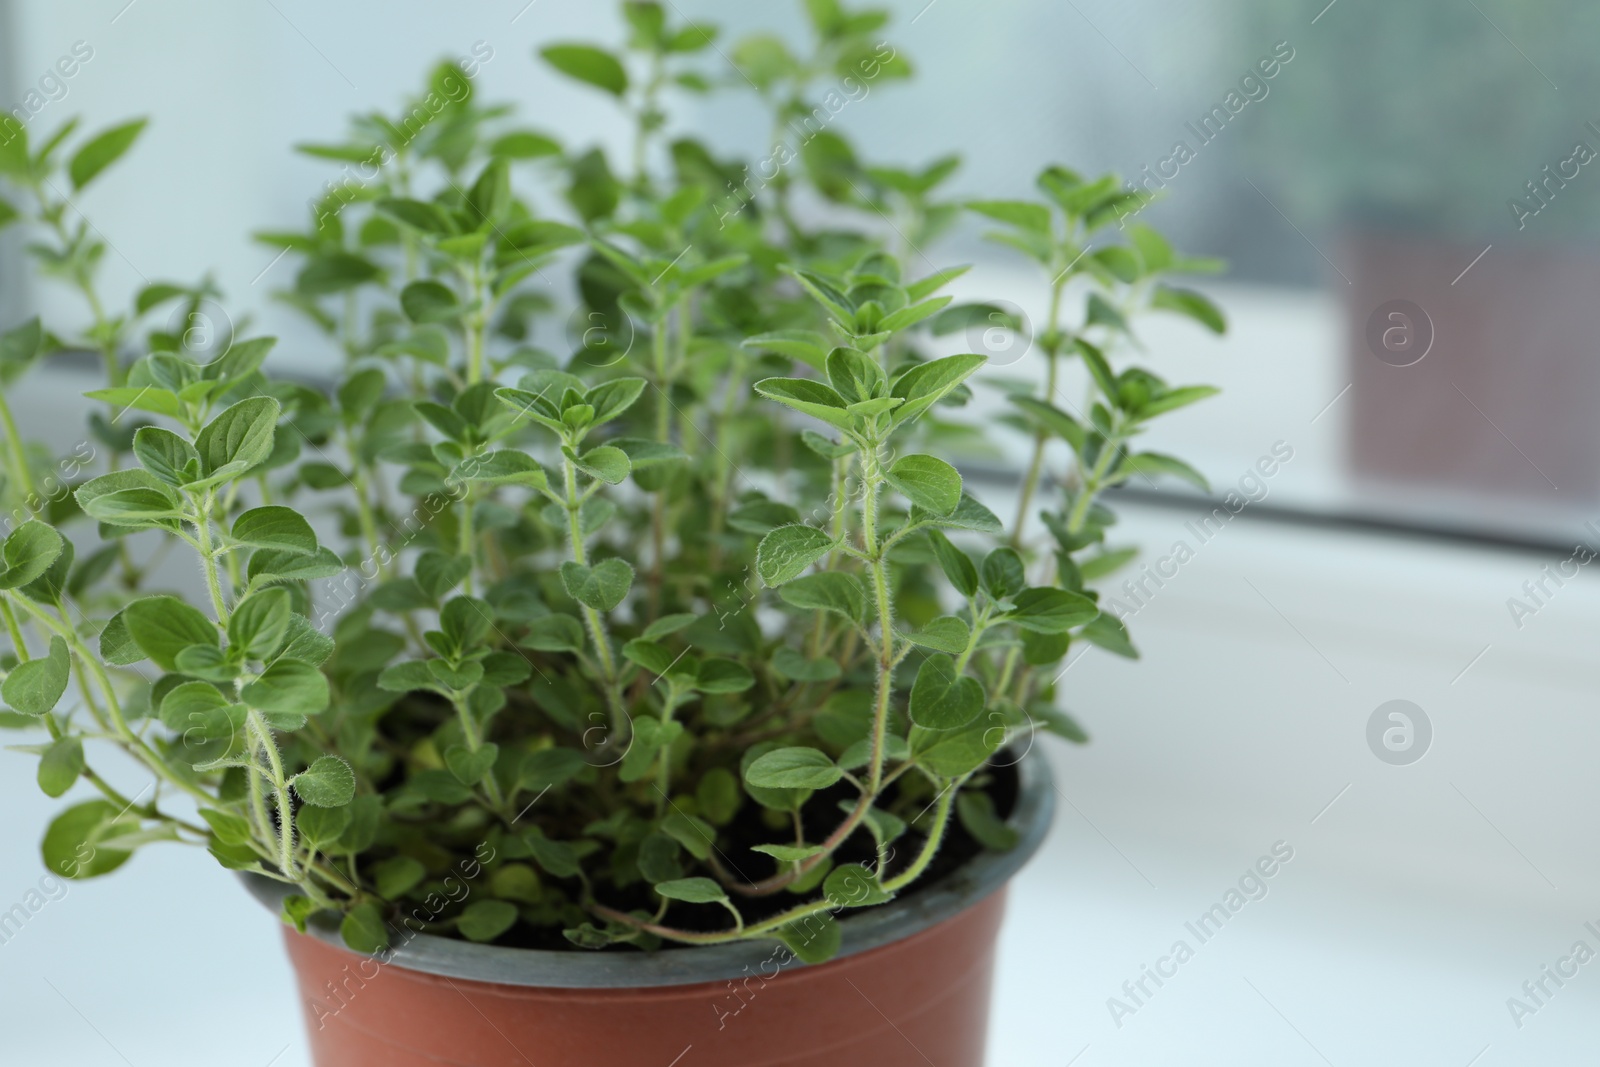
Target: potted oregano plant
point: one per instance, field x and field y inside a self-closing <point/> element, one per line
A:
<point x="584" y="678"/>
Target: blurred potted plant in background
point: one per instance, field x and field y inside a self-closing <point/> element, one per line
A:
<point x="507" y="664"/>
<point x="1419" y="135"/>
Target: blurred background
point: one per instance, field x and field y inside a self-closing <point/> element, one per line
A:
<point x="1409" y="199"/>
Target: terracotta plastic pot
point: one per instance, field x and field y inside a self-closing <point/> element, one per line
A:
<point x="909" y="987"/>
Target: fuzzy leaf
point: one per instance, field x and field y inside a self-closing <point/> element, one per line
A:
<point x="35" y="687"/>
<point x="786" y="552"/>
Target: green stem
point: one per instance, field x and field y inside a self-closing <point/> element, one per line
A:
<point x="135" y="744"/>
<point x="474" y="739"/>
<point x="1092" y="484"/>
<point x="280" y="787"/>
<point x="879" y="569"/>
<point x="658" y="355"/>
<point x="14" y="631"/>
<point x="1052" y="353"/>
<point x="19" y="454"/>
<point x="208" y="559"/>
<point x="477" y="325"/>
<point x="597" y="630"/>
<point x="931" y="846"/>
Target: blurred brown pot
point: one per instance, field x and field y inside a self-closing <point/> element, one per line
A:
<point x="909" y="988"/>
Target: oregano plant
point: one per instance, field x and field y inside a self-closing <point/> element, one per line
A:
<point x="619" y="567"/>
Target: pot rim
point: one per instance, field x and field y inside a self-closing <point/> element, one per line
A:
<point x="576" y="969"/>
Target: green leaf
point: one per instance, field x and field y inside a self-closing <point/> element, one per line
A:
<point x="1108" y="632"/>
<point x="927" y="482"/>
<point x="813" y="939"/>
<point x="692" y="832"/>
<point x="524" y="144"/>
<point x="601" y="587"/>
<point x="667" y="624"/>
<point x="853" y="886"/>
<point x="1052" y="419"/>
<point x="977" y="815"/>
<point x="925" y="384"/>
<point x="945" y="634"/>
<point x="652" y="657"/>
<point x="1103" y="313"/>
<point x="612" y="398"/>
<point x="650" y="735"/>
<point x="60" y="765"/>
<point x="723" y="676"/>
<point x="1190" y="303"/>
<point x="396" y="876"/>
<point x="793" y="768"/>
<point x="466" y="622"/>
<point x="1051" y="611"/>
<point x="275" y="527"/>
<point x="288" y="687"/>
<point x="102" y="150"/>
<point x="606" y="463"/>
<point x="968" y="515"/>
<point x="808" y="347"/>
<point x="206" y="722"/>
<point x="1023" y="214"/>
<point x="137" y="508"/>
<point x="363" y="930"/>
<point x="229" y="828"/>
<point x="274" y="565"/>
<point x="550" y="767"/>
<point x="117" y="646"/>
<point x="941" y="699"/>
<point x="20" y="346"/>
<point x="829" y="591"/>
<point x="208" y="662"/>
<point x="808" y="397"/>
<point x="419" y="215"/>
<point x="952" y="753"/>
<point x="956" y="564"/>
<point x="789" y="853"/>
<point x="335" y="272"/>
<point x="854" y="375"/>
<point x="692" y="890"/>
<point x="915" y="313"/>
<point x="327" y="783"/>
<point x="163" y="626"/>
<point x="485" y="920"/>
<point x="786" y="552"/>
<point x="429" y="301"/>
<point x="556" y="857"/>
<point x="587" y="64"/>
<point x="1173" y="399"/>
<point x="1150" y="464"/>
<point x="166" y="455"/>
<point x="14" y="160"/>
<point x="468" y="766"/>
<point x="240" y="435"/>
<point x="259" y="624"/>
<point x="28" y="554"/>
<point x="836" y="303"/>
<point x="321" y="827"/>
<point x="1060" y="723"/>
<point x="406" y="677"/>
<point x="794" y="666"/>
<point x="71" y="847"/>
<point x="1003" y="573"/>
<point x="141" y="398"/>
<point x="554" y="633"/>
<point x="505" y="467"/>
